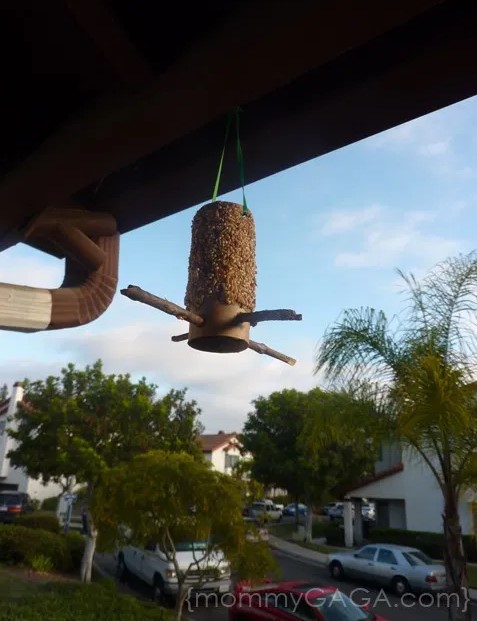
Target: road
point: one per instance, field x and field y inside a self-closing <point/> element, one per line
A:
<point x="382" y="603"/>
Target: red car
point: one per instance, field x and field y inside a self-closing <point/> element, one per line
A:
<point x="293" y="601"/>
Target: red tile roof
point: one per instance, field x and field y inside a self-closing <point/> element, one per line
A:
<point x="213" y="441"/>
<point x="378" y="476"/>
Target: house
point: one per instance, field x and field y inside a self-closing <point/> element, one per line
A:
<point x="222" y="449"/>
<point x="16" y="479"/>
<point x="406" y="496"/>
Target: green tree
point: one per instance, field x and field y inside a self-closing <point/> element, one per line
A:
<point x="78" y="425"/>
<point x="251" y="489"/>
<point x="337" y="456"/>
<point x="270" y="434"/>
<point x="170" y="498"/>
<point x="292" y="439"/>
<point x="421" y="371"/>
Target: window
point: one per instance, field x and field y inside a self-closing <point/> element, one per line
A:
<point x="416" y="557"/>
<point x="231" y="460"/>
<point x="338" y="607"/>
<point x="299" y="610"/>
<point x="386" y="556"/>
<point x="367" y="553"/>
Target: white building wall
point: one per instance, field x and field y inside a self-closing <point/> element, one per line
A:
<point x="17" y="476"/>
<point x="419" y="489"/>
<point x="218" y="457"/>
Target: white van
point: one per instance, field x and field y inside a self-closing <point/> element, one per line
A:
<point x="210" y="571"/>
<point x="266" y="510"/>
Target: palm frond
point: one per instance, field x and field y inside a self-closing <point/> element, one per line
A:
<point x="449" y="293"/>
<point x="359" y="345"/>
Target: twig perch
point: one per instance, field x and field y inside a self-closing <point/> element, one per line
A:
<point x="261" y="348"/>
<point x="180" y="337"/>
<point x="280" y="314"/>
<point x="139" y="295"/>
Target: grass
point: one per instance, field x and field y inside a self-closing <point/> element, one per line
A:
<point x="472" y="573"/>
<point x="11" y="587"/>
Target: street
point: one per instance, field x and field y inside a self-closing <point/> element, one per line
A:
<point x="382" y="603"/>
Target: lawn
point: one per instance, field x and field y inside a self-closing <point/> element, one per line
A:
<point x="31" y="597"/>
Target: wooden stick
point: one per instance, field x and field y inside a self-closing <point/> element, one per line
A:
<point x="280" y="314"/>
<point x="139" y="295"/>
<point x="180" y="337"/>
<point x="261" y="348"/>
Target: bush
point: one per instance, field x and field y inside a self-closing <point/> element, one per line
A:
<point x="37" y="519"/>
<point x="41" y="564"/>
<point x="75" y="543"/>
<point x="50" y="504"/>
<point x="331" y="530"/>
<point x="18" y="544"/>
<point x="431" y="544"/>
<point x="64" y="602"/>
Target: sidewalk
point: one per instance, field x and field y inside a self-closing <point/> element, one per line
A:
<point x="299" y="552"/>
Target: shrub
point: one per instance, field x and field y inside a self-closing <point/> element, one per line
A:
<point x="333" y="532"/>
<point x="75" y="543"/>
<point x="38" y="519"/>
<point x="50" y="504"/>
<point x="41" y="564"/>
<point x="18" y="544"/>
<point x="430" y="543"/>
<point x="64" y="602"/>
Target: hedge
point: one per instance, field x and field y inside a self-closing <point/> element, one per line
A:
<point x="431" y="544"/>
<point x="50" y="503"/>
<point x="19" y="544"/>
<point x="74" y="602"/>
<point x="38" y="519"/>
<point x="331" y="530"/>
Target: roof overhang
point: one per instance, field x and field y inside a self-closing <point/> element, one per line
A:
<point x="141" y="139"/>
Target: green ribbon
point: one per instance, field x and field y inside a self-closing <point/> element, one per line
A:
<point x="230" y="118"/>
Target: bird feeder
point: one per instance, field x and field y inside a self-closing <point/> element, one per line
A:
<point x="220" y="296"/>
<point x="222" y="278"/>
<point x="221" y="290"/>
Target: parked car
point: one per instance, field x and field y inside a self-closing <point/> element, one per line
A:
<point x="13" y="504"/>
<point x="256" y="533"/>
<point x="290" y="509"/>
<point x="265" y="510"/>
<point x="151" y="565"/>
<point x="296" y="600"/>
<point x="329" y="507"/>
<point x="279" y="506"/>
<point x="401" y="568"/>
<point x="337" y="511"/>
<point x="368" y="511"/>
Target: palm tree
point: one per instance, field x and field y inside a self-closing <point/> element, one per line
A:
<point x="422" y="367"/>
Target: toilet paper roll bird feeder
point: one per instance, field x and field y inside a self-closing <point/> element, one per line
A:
<point x="221" y="290"/>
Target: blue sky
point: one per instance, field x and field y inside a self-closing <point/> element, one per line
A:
<point x="330" y="234"/>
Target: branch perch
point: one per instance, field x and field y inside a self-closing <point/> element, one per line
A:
<point x="180" y="337"/>
<point x="261" y="348"/>
<point x="139" y="295"/>
<point x="280" y="314"/>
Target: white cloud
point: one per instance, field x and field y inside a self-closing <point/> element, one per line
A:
<point x="21" y="265"/>
<point x="342" y="221"/>
<point x="434" y="148"/>
<point x="384" y="237"/>
<point x="223" y="384"/>
<point x="434" y="139"/>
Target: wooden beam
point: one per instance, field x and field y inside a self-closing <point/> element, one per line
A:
<point x="203" y="85"/>
<point x="261" y="348"/>
<point x="129" y="66"/>
<point x="391" y="82"/>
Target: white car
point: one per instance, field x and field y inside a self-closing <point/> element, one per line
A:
<point x="266" y="510"/>
<point x="210" y="571"/>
